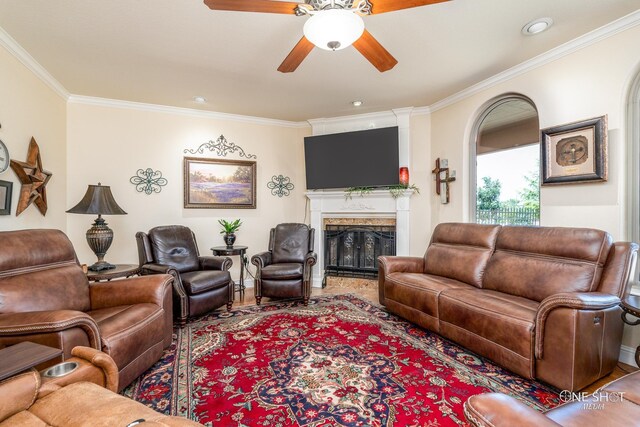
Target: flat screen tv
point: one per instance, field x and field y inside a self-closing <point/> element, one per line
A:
<point x="367" y="158"/>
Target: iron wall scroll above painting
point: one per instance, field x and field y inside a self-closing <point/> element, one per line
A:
<point x="219" y="184"/>
<point x="222" y="147"/>
<point x="574" y="152"/>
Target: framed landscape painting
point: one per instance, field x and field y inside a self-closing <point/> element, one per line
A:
<point x="219" y="184"/>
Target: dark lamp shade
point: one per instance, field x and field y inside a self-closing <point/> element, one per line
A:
<point x="98" y="200"/>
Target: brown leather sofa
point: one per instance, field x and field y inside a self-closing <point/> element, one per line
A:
<point x="540" y="301"/>
<point x="79" y="399"/>
<point x="616" y="404"/>
<point x="45" y="297"/>
<point x="284" y="271"/>
<point x="200" y="283"/>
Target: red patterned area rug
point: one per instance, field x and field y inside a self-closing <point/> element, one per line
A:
<point x="340" y="361"/>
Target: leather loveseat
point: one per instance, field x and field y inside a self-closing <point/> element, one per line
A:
<point x="616" y="404"/>
<point x="542" y="302"/>
<point x="84" y="397"/>
<point x="45" y="297"/>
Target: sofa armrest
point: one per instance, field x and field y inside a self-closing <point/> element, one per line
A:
<point x="497" y="410"/>
<point x="261" y="259"/>
<point x="135" y="290"/>
<point x="223" y="263"/>
<point x="101" y="360"/>
<point x="42" y="322"/>
<point x="573" y="300"/>
<point x="402" y="264"/>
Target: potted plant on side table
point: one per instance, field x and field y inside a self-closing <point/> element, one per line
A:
<point x="228" y="229"/>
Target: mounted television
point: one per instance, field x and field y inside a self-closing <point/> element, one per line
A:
<point x="367" y="158"/>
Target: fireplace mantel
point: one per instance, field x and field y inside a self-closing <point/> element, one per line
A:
<point x="378" y="203"/>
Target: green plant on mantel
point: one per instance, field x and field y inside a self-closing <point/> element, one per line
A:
<point x="395" y="190"/>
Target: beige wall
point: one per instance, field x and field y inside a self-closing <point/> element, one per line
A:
<point x="29" y="108"/>
<point x="109" y="144"/>
<point x="590" y="82"/>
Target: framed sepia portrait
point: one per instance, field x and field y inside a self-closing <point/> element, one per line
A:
<point x="574" y="152"/>
<point x="219" y="184"/>
<point x="5" y="197"/>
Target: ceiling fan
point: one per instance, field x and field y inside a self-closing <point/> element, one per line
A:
<point x="332" y="25"/>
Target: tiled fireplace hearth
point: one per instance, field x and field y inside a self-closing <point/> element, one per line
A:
<point x="377" y="209"/>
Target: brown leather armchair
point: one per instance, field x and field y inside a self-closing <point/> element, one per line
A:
<point x="45" y="297"/>
<point x="284" y="271"/>
<point x="201" y="283"/>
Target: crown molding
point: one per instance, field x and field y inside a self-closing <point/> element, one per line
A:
<point x="554" y="54"/>
<point x="140" y="106"/>
<point x="28" y="61"/>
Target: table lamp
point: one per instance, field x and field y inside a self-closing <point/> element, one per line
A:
<point x="99" y="200"/>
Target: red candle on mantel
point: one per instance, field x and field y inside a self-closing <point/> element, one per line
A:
<point x="404" y="176"/>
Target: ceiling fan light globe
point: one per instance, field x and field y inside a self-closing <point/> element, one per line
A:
<point x="333" y="29"/>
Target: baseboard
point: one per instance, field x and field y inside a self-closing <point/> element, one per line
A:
<point x="627" y="355"/>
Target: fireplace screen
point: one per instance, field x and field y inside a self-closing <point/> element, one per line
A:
<point x="353" y="251"/>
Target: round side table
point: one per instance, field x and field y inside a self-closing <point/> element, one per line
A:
<point x="240" y="251"/>
<point x="121" y="271"/>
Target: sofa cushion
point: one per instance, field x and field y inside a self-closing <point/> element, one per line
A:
<point x="535" y="263"/>
<point x="290" y="270"/>
<point x="50" y="276"/>
<point x="196" y="282"/>
<point x="127" y="331"/>
<point x="503" y="319"/>
<point x="419" y="291"/>
<point x="460" y="251"/>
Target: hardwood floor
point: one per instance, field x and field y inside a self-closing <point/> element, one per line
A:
<point x="368" y="289"/>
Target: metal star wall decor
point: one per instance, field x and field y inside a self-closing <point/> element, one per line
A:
<point x="148" y="181"/>
<point x="34" y="180"/>
<point x="221" y="146"/>
<point x="280" y="185"/>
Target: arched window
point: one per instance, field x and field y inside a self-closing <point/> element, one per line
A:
<point x="505" y="150"/>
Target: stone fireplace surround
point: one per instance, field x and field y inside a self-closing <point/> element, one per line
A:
<point x="376" y="207"/>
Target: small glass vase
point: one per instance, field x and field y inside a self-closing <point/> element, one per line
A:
<point x="229" y="239"/>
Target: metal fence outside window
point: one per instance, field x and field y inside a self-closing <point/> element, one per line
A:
<point x="508" y="216"/>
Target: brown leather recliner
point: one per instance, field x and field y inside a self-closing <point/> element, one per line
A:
<point x="45" y="297"/>
<point x="83" y="398"/>
<point x="201" y="283"/>
<point x="284" y="271"/>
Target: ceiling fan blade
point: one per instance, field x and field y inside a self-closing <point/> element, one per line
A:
<point x="382" y="6"/>
<point x="296" y="56"/>
<point x="371" y="49"/>
<point x="265" y="6"/>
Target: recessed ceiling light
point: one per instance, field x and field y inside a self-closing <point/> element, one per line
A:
<point x="537" y="26"/>
<point x="199" y="99"/>
<point x="356" y="103"/>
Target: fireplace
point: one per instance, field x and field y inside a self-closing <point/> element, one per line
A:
<point x="353" y="250"/>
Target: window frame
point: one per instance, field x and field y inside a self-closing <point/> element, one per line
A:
<point x="483" y="112"/>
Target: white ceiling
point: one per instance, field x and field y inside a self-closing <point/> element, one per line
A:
<point x="168" y="51"/>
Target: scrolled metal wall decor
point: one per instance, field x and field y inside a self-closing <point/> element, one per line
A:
<point x="221" y="146"/>
<point x="280" y="185"/>
<point x="148" y="181"/>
